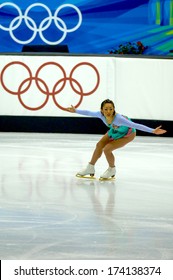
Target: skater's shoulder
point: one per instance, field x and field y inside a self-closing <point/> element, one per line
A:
<point x="120" y="116"/>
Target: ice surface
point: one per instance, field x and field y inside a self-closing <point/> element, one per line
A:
<point x="48" y="213"/>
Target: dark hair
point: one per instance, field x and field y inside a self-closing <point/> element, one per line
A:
<point x="107" y="101"/>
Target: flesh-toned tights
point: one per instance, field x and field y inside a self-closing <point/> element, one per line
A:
<point x="107" y="146"/>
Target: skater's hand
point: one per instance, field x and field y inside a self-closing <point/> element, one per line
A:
<point x="158" y="130"/>
<point x="71" y="109"/>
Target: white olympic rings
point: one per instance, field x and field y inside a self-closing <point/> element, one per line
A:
<point x="44" y="24"/>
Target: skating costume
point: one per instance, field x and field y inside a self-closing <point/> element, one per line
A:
<point x="120" y="127"/>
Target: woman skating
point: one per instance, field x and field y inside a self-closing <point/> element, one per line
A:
<point x="121" y="132"/>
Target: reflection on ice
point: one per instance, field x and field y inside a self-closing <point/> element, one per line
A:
<point x="48" y="213"/>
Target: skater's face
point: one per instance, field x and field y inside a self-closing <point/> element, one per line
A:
<point x="108" y="110"/>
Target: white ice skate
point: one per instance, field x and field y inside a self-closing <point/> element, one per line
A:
<point x="87" y="172"/>
<point x="109" y="174"/>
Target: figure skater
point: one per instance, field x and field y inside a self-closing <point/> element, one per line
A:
<point x="121" y="131"/>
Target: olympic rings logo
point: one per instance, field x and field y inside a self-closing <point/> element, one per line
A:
<point x="43" y="87"/>
<point x="44" y="24"/>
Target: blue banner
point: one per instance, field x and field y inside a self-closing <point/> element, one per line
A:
<point x="94" y="27"/>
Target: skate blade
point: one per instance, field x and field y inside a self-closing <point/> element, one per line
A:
<point x="85" y="177"/>
<point x="107" y="179"/>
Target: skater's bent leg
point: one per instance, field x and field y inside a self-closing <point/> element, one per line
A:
<point x="90" y="169"/>
<point x="116" y="144"/>
<point x="99" y="148"/>
<point x="110" y="158"/>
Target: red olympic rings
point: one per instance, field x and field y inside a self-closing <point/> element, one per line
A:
<point x="43" y="87"/>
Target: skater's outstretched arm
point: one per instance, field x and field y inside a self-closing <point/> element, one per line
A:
<point x="95" y="114"/>
<point x="122" y="121"/>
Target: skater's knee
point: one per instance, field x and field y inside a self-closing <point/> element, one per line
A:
<point x="107" y="150"/>
<point x="99" y="146"/>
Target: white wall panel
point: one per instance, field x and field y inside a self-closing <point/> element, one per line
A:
<point x="144" y="88"/>
<point x="90" y="75"/>
<point x="140" y="87"/>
